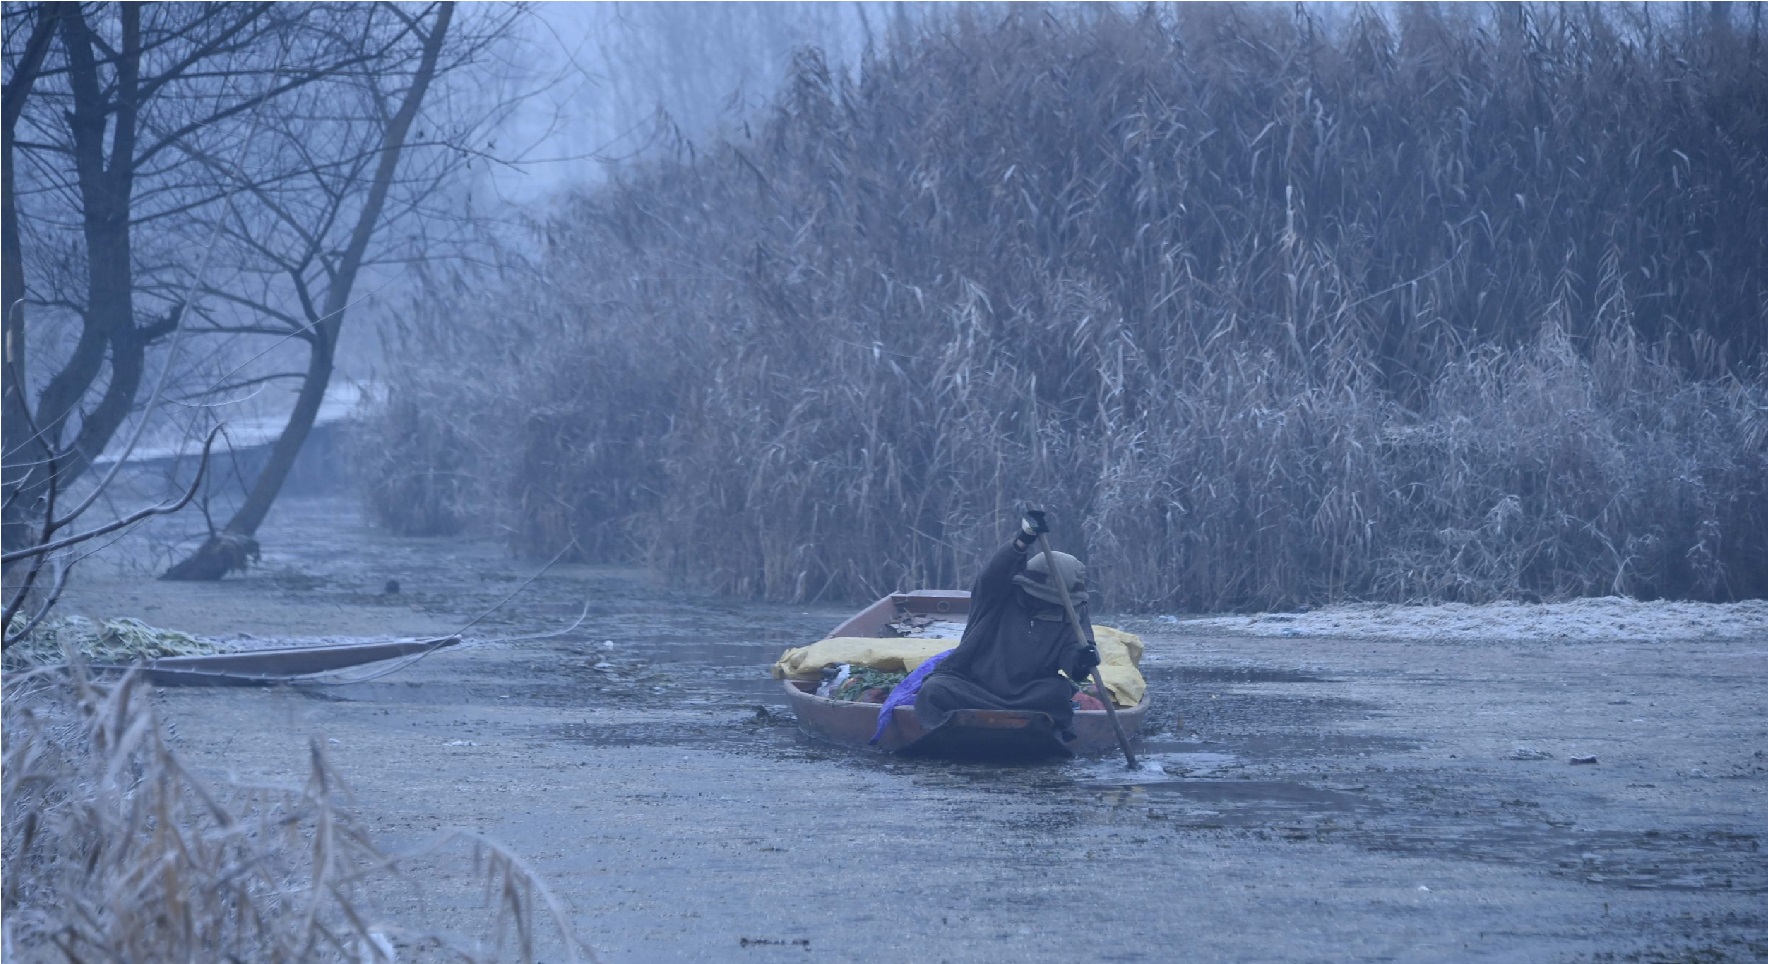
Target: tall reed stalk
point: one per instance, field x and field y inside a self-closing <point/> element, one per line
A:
<point x="1429" y="303"/>
<point x="115" y="851"/>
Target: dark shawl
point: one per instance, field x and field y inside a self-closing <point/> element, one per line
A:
<point x="1011" y="650"/>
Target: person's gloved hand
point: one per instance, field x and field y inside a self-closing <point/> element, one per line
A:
<point x="1033" y="524"/>
<point x="1085" y="662"/>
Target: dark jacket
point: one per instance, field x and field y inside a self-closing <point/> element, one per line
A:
<point x="1012" y="648"/>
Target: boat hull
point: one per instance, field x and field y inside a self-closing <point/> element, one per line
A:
<point x="969" y="734"/>
<point x="1005" y="736"/>
<point x="271" y="667"/>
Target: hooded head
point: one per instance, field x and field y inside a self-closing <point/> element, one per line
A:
<point x="1036" y="578"/>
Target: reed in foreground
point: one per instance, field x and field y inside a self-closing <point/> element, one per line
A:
<point x="115" y="851"/>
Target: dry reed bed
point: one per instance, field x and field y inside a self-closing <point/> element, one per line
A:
<point x="1456" y="306"/>
<point x="115" y="851"/>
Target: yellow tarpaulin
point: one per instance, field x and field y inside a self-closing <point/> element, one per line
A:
<point x="1119" y="653"/>
<point x="887" y="655"/>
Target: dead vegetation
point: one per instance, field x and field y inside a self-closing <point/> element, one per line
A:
<point x="116" y="851"/>
<point x="1425" y="304"/>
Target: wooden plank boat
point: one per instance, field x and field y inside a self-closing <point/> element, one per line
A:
<point x="967" y="734"/>
<point x="271" y="667"/>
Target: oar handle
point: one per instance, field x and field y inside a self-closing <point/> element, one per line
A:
<point x="1080" y="636"/>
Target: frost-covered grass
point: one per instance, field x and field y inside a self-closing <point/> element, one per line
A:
<point x="120" y="640"/>
<point x="1605" y="618"/>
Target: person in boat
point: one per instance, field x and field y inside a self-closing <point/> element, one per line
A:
<point x="1018" y="637"/>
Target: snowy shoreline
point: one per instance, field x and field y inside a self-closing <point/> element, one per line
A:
<point x="1610" y="618"/>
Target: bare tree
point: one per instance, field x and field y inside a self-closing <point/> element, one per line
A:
<point x="100" y="101"/>
<point x="95" y="117"/>
<point x="369" y="164"/>
<point x="14" y="437"/>
<point x="221" y="170"/>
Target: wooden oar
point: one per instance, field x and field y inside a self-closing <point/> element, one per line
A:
<point x="1123" y="741"/>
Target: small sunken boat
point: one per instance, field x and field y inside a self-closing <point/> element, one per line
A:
<point x="273" y="667"/>
<point x="937" y="617"/>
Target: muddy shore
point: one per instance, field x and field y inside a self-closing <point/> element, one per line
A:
<point x="1313" y="798"/>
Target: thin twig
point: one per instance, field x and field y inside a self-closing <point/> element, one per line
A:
<point x="514" y="592"/>
<point x="165" y="508"/>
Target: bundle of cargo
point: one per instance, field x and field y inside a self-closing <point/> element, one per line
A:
<point x="1120" y="653"/>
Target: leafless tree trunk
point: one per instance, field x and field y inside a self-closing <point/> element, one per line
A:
<point x="14" y="438"/>
<point x="91" y="125"/>
<point x="223" y="551"/>
<point x="105" y="184"/>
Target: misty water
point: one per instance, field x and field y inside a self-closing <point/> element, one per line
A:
<point x="648" y="765"/>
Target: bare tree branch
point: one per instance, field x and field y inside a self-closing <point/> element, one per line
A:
<point x="164" y="508"/>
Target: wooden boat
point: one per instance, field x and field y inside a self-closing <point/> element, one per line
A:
<point x="967" y="734"/>
<point x="271" y="667"/>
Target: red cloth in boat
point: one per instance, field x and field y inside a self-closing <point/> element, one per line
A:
<point x="1087" y="701"/>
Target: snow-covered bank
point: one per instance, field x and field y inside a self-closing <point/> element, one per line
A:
<point x="1608" y="618"/>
